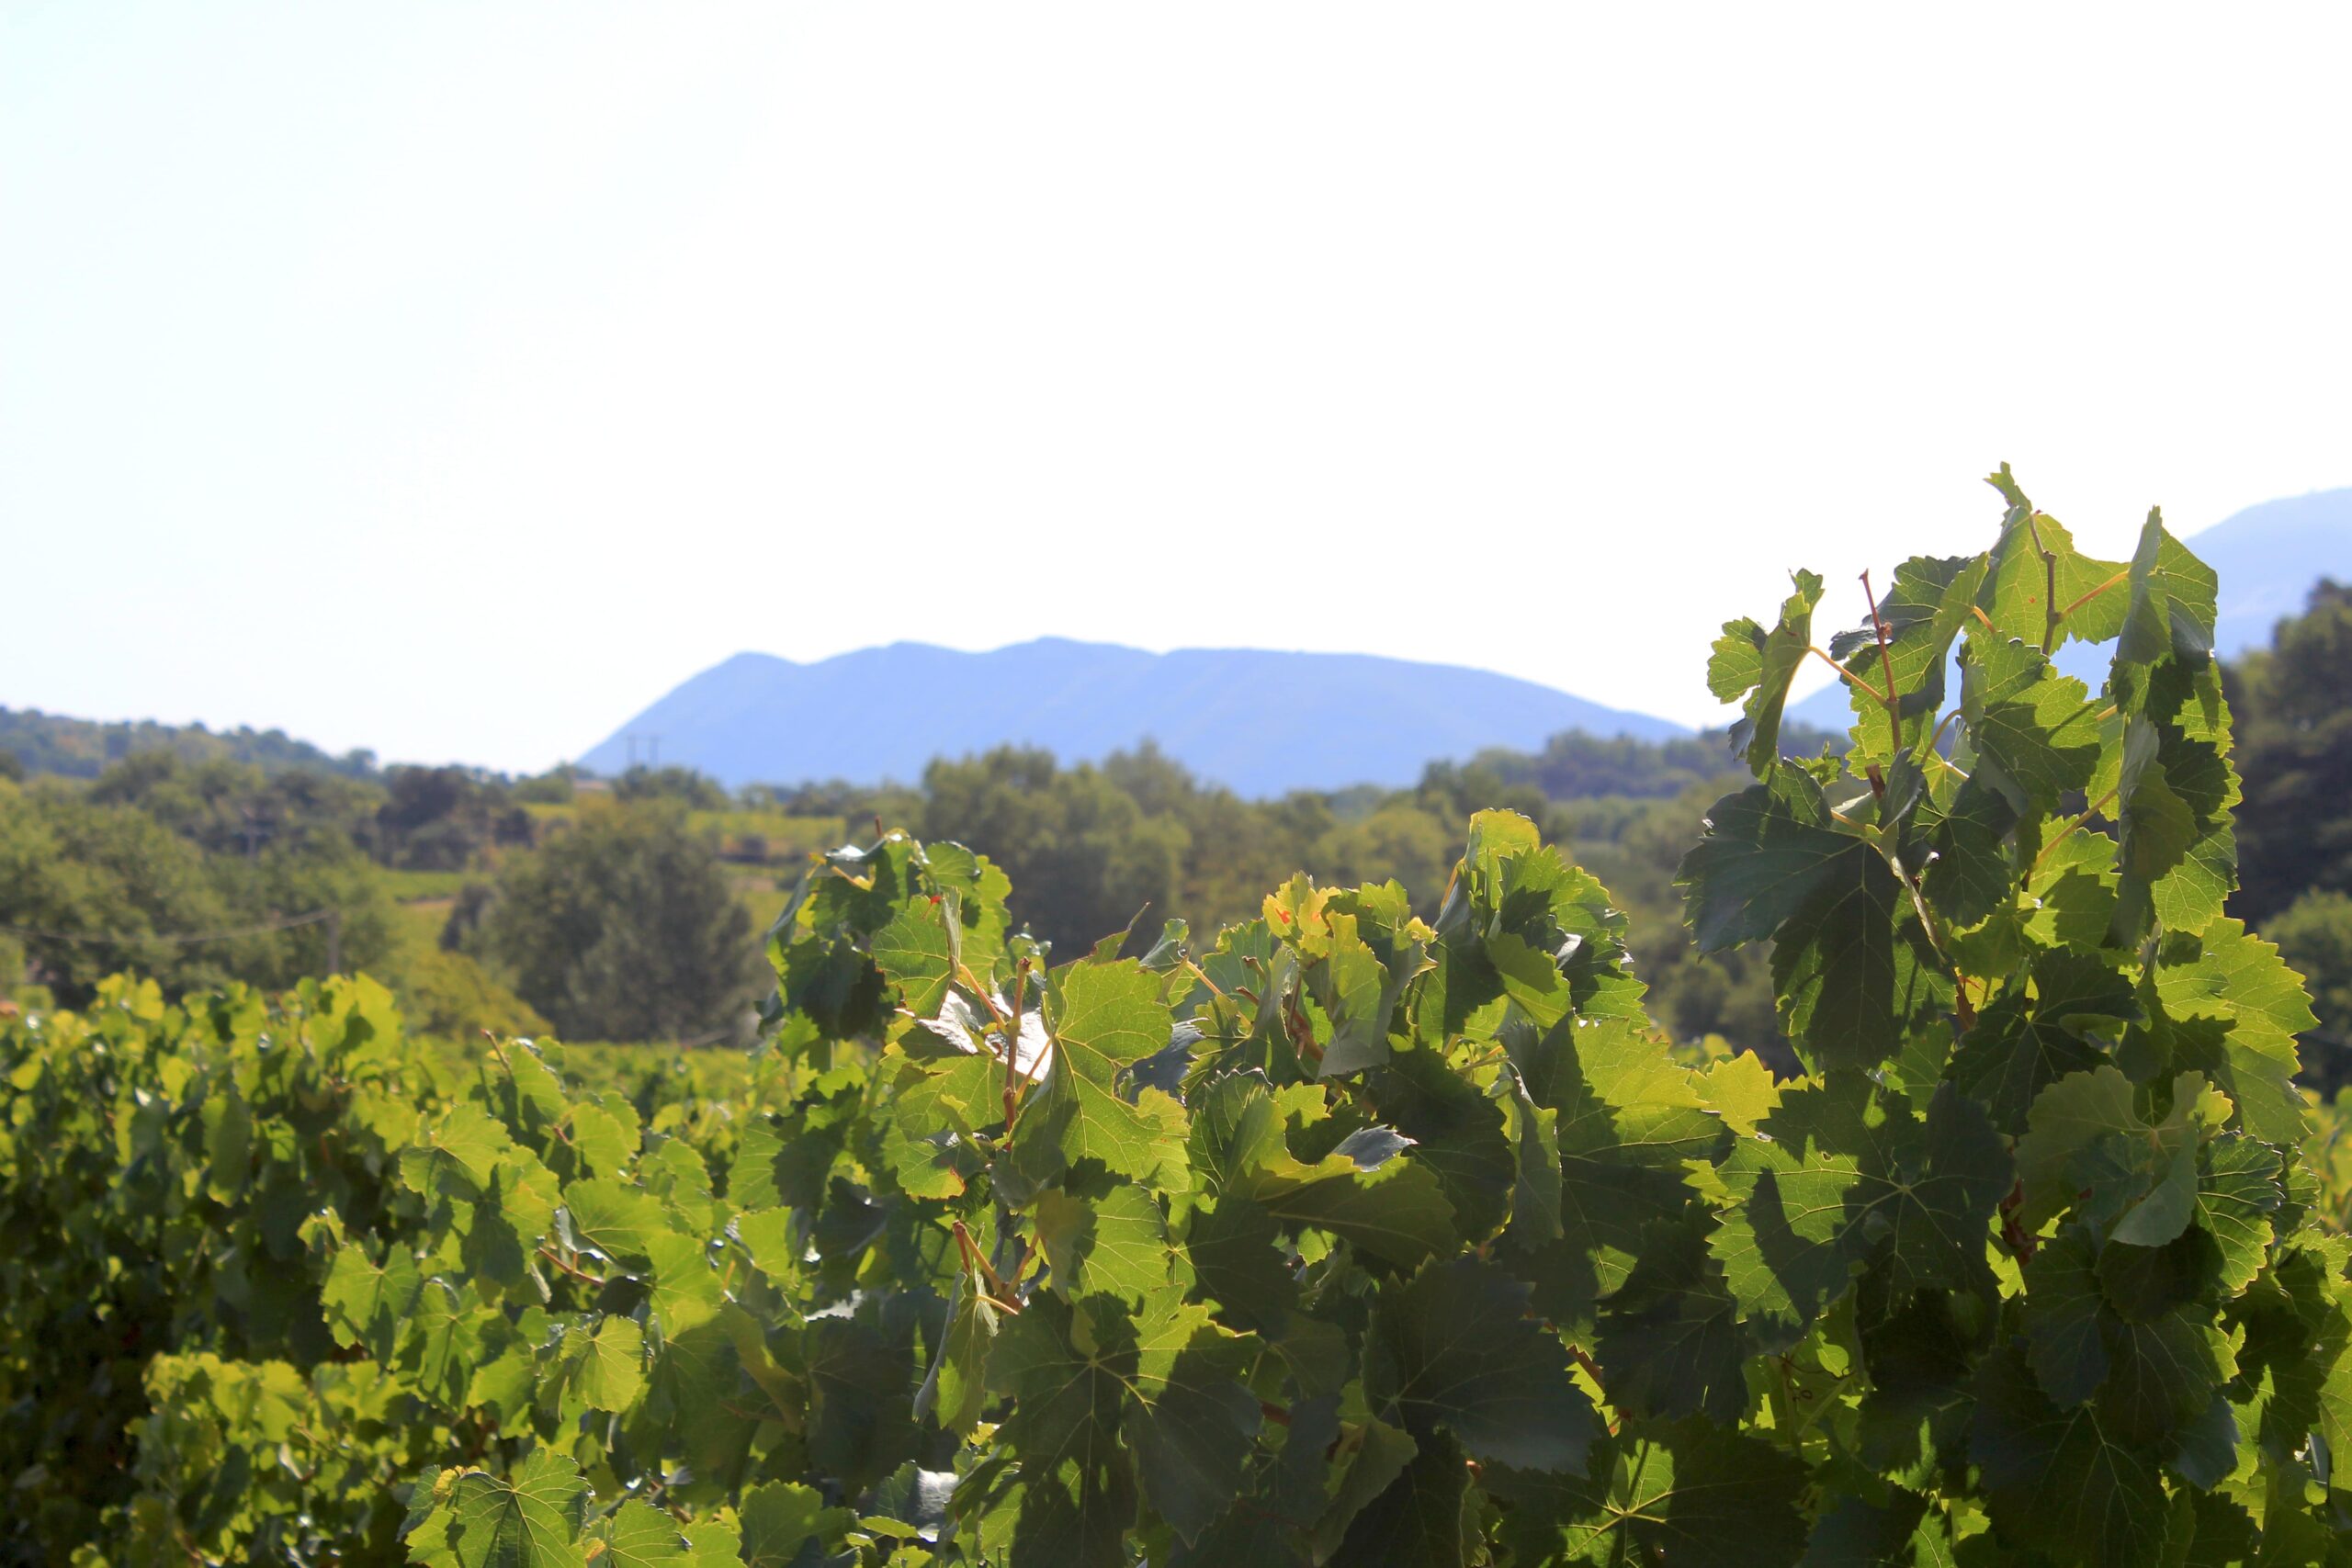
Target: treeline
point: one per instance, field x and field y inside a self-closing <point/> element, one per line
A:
<point x="630" y="908"/>
<point x="83" y="748"/>
<point x="1092" y="847"/>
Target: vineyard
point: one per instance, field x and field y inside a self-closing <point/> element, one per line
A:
<point x="1335" y="1236"/>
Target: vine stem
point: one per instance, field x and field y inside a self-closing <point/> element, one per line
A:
<point x="1886" y="661"/>
<point x="1964" y="1008"/>
<point x="500" y="1051"/>
<point x="1012" y="1044"/>
<point x="572" y="1268"/>
<point x="999" y="1293"/>
<point x="1846" y="675"/>
<point x="2060" y="837"/>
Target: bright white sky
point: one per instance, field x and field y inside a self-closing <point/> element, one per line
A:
<point x="456" y="380"/>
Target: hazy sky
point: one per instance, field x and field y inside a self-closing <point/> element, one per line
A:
<point x="455" y="379"/>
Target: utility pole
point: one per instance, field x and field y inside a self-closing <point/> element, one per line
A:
<point x="334" y="942"/>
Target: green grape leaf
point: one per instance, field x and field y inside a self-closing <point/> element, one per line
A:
<point x="1454" y="1346"/>
<point x="1669" y="1341"/>
<point x="617" y="1220"/>
<point x="639" y="1535"/>
<point x="1749" y="661"/>
<point x="2064" y="1313"/>
<point x="1923" y="612"/>
<point x="955" y="1391"/>
<point x="1067" y="1367"/>
<point x="1113" y="1240"/>
<point x="2088" y="1146"/>
<point x="2237" y="1009"/>
<point x="612" y="1365"/>
<point x="1424" y="1518"/>
<point x="1391" y="1209"/>
<point x="367" y="1303"/>
<point x="1840" y="1176"/>
<point x="1686" y="1492"/>
<point x="917" y="953"/>
<point x="2064" y="1477"/>
<point x="505" y="1228"/>
<point x="1973" y="871"/>
<point x="1454" y="1129"/>
<point x="1234" y="1246"/>
<point x="2173" y="601"/>
<point x="1110" y="1016"/>
<point x="479" y="1520"/>
<point x="2035" y="573"/>
<point x="438" y="1339"/>
<point x="1359" y="983"/>
<point x="2237" y="1193"/>
<point x="861" y="1397"/>
<point x="1766" y="851"/>
<point x="685" y="1287"/>
<point x="456" y="1155"/>
<point x="1630" y="1124"/>
<point x="1535" y="1148"/>
<point x="1854" y="1533"/>
<point x="606" y="1134"/>
<point x="2035" y="728"/>
<point x="980" y="888"/>
<point x="2025" y="1041"/>
<point x="1192" y="1420"/>
<point x="779" y="1520"/>
<point x="1854" y="970"/>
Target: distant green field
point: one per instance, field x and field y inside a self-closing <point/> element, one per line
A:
<point x="774" y="837"/>
<point x="778" y="838"/>
<point x="420" y="920"/>
<point x="647" y="1073"/>
<point x="411" y="886"/>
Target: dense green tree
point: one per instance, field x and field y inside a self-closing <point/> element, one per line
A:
<point x="2314" y="934"/>
<point x="557" y="787"/>
<point x="1087" y="855"/>
<point x="233" y="808"/>
<point x="623" y="928"/>
<point x="2293" y="707"/>
<point x="95" y="887"/>
<point x="449" y="996"/>
<point x="699" y="791"/>
<point x="1576" y="766"/>
<point x="446" y="819"/>
<point x="89" y="890"/>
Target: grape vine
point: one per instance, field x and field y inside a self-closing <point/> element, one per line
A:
<point x="1342" y="1237"/>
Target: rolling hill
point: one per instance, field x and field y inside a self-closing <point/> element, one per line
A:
<point x="2268" y="556"/>
<point x="1261" y="722"/>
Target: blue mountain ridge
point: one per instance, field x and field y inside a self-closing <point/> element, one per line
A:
<point x="1259" y="721"/>
<point x="2267" y="557"/>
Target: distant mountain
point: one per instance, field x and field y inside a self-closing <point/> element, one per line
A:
<point x="2268" y="556"/>
<point x="1261" y="722"/>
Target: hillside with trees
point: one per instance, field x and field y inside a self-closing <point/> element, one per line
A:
<point x="450" y="882"/>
